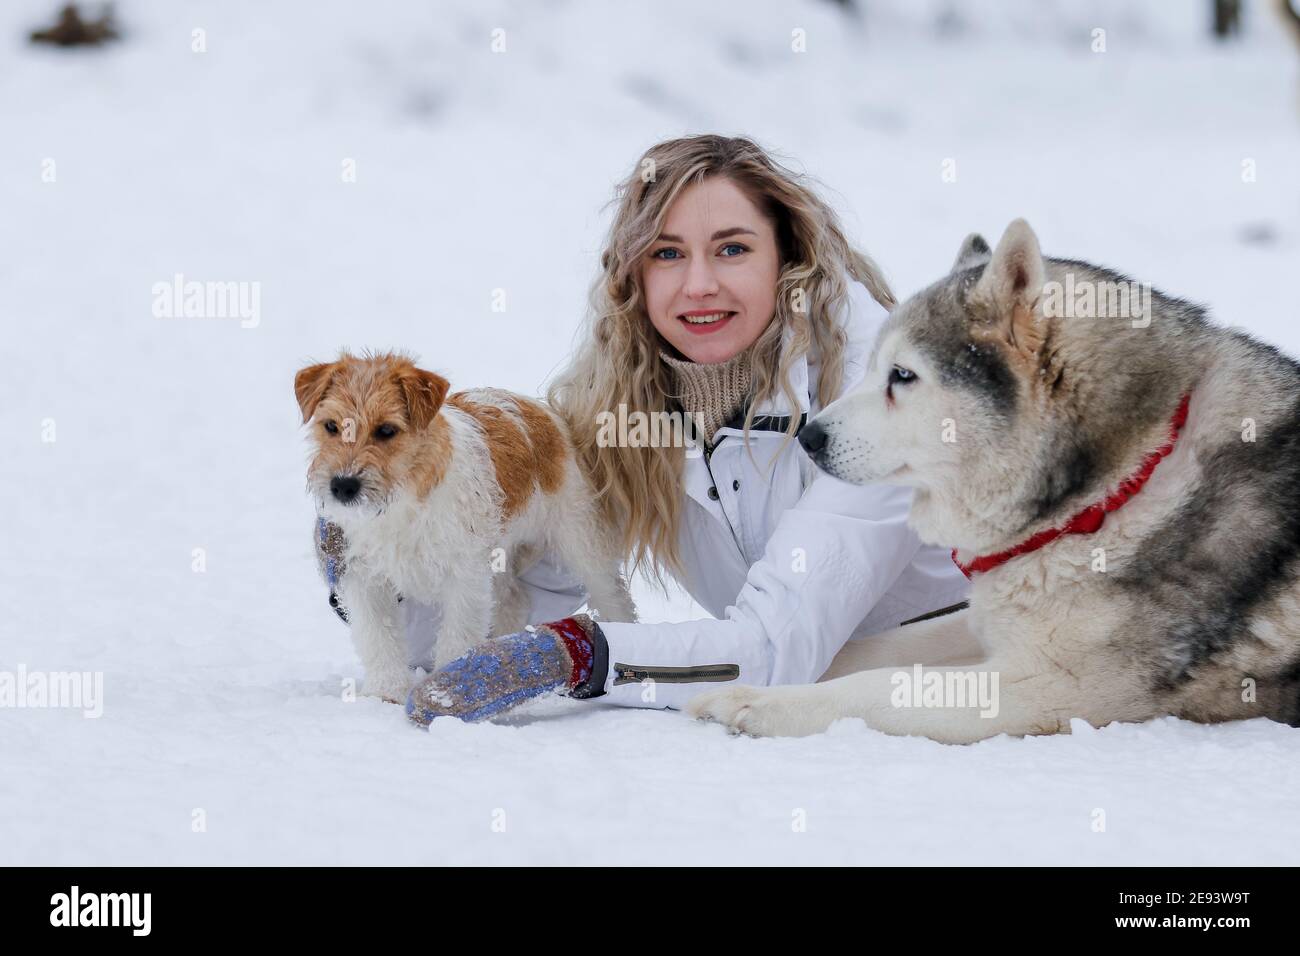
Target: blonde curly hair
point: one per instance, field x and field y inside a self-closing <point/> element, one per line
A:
<point x="617" y="358"/>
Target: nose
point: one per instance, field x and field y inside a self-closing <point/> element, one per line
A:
<point x="700" y="279"/>
<point x="813" y="438"/>
<point x="345" y="487"/>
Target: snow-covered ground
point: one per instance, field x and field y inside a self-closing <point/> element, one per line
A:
<point x="224" y="736"/>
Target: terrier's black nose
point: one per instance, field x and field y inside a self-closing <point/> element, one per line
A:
<point x="813" y="438"/>
<point x="345" y="487"/>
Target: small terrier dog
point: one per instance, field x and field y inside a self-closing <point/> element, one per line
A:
<point x="445" y="500"/>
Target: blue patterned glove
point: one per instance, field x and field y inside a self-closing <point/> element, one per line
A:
<point x="568" y="656"/>
<point x="330" y="548"/>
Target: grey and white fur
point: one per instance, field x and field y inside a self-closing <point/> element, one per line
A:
<point x="1006" y="418"/>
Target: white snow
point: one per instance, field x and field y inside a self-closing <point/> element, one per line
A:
<point x="478" y="171"/>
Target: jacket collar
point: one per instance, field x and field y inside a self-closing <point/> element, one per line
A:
<point x="778" y="405"/>
<point x="774" y="414"/>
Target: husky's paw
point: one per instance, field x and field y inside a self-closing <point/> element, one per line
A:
<point x="392" y="687"/>
<point x="759" y="711"/>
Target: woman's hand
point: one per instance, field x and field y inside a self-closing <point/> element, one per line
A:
<point x="503" y="672"/>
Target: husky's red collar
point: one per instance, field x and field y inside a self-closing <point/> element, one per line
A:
<point x="1089" y="519"/>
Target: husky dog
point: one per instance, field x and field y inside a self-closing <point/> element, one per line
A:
<point x="1120" y="480"/>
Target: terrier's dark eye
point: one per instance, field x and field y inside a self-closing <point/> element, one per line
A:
<point x="331" y="427"/>
<point x="901" y="376"/>
<point x="385" y="432"/>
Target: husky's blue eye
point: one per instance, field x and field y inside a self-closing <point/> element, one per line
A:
<point x="901" y="376"/>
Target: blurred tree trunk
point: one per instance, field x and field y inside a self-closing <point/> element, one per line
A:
<point x="1227" y="18"/>
<point x="1290" y="11"/>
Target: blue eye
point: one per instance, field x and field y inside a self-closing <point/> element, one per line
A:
<point x="733" y="245"/>
<point x="901" y="376"/>
<point x="660" y="254"/>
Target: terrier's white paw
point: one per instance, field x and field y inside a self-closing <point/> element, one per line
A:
<point x="758" y="711"/>
<point x="390" y="686"/>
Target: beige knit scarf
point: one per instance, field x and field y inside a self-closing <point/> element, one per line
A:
<point x="710" y="393"/>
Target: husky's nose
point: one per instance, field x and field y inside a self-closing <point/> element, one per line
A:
<point x="345" y="487"/>
<point x="813" y="438"/>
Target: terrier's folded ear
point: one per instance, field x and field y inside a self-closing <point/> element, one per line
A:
<point x="424" y="393"/>
<point x="311" y="384"/>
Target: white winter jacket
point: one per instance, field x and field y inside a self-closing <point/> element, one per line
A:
<point x="791" y="562"/>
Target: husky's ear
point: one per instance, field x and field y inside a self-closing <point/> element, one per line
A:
<point x="1011" y="286"/>
<point x="974" y="251"/>
<point x="311" y="384"/>
<point x="424" y="393"/>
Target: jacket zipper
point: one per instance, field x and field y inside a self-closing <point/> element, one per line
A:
<point x="697" y="673"/>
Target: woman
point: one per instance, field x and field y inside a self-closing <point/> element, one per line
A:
<point x="727" y="291"/>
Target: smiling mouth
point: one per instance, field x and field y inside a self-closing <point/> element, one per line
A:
<point x="705" y="321"/>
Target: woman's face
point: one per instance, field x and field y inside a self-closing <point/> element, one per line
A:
<point x="710" y="277"/>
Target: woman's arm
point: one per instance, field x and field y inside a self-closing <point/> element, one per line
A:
<point x="785" y="627"/>
<point x="828" y="562"/>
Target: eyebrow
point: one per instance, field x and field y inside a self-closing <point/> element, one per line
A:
<point x="720" y="234"/>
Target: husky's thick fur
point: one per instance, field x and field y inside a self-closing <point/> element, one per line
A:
<point x="1009" y="415"/>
